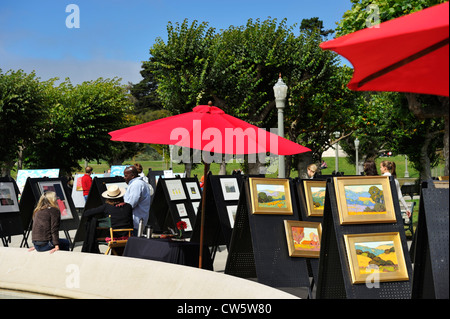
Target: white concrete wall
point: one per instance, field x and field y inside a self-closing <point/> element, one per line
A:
<point x="83" y="275"/>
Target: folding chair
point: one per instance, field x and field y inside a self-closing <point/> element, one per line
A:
<point x="112" y="242"/>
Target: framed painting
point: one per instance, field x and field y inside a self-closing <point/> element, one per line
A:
<point x="231" y="210"/>
<point x="303" y="238"/>
<point x="364" y="200"/>
<point x="193" y="190"/>
<point x="175" y="189"/>
<point x="378" y="256"/>
<point x="8" y="198"/>
<point x="230" y="188"/>
<point x="63" y="204"/>
<point x="181" y="210"/>
<point x="270" y="196"/>
<point x="315" y="196"/>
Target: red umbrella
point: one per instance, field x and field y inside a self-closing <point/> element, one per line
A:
<point x="407" y="54"/>
<point x="208" y="128"/>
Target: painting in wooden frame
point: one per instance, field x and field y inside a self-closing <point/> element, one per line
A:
<point x="303" y="238"/>
<point x="376" y="256"/>
<point x="270" y="196"/>
<point x="364" y="200"/>
<point x="315" y="197"/>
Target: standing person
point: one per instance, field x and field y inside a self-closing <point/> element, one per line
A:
<point x="140" y="170"/>
<point x="46" y="222"/>
<point x="370" y="168"/>
<point x="86" y="182"/>
<point x="311" y="170"/>
<point x="138" y="195"/>
<point x="387" y="168"/>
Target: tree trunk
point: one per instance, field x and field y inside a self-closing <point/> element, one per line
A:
<point x="304" y="159"/>
<point x="425" y="173"/>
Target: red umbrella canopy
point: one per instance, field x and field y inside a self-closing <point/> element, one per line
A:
<point x="208" y="128"/>
<point x="407" y="54"/>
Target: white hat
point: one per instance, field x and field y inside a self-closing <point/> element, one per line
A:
<point x="113" y="191"/>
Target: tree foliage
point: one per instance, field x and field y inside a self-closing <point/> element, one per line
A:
<point x="23" y="114"/>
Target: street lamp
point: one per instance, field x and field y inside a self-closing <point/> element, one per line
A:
<point x="357" y="159"/>
<point x="280" y="90"/>
<point x="336" y="134"/>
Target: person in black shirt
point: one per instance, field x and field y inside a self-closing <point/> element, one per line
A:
<point x="121" y="214"/>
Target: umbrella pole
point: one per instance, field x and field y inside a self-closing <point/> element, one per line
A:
<point x="202" y="220"/>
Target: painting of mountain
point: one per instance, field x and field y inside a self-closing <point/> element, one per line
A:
<point x="364" y="199"/>
<point x="318" y="196"/>
<point x="376" y="257"/>
<point x="271" y="195"/>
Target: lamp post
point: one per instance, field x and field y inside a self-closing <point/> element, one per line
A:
<point x="357" y="159"/>
<point x="280" y="90"/>
<point x="406" y="167"/>
<point x="336" y="149"/>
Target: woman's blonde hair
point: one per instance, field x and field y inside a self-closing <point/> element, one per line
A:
<point x="47" y="200"/>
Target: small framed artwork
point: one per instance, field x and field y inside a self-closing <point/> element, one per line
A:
<point x="196" y="206"/>
<point x="188" y="224"/>
<point x="63" y="204"/>
<point x="270" y="196"/>
<point x="182" y="210"/>
<point x="364" y="200"/>
<point x="303" y="238"/>
<point x="193" y="190"/>
<point x="231" y="210"/>
<point x="8" y="198"/>
<point x="315" y="196"/>
<point x="175" y="189"/>
<point x="377" y="254"/>
<point x="230" y="188"/>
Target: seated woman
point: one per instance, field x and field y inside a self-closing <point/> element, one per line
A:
<point x="121" y="215"/>
<point x="46" y="221"/>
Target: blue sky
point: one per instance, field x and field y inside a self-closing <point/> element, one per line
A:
<point x="115" y="36"/>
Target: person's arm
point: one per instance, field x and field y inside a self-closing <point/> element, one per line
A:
<point x="55" y="220"/>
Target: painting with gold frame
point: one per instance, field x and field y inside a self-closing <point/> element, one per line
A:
<point x="364" y="200"/>
<point x="270" y="196"/>
<point x="315" y="196"/>
<point x="303" y="238"/>
<point x="376" y="254"/>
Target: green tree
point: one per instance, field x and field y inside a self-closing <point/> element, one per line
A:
<point x="81" y="117"/>
<point x="432" y="110"/>
<point x="24" y="115"/>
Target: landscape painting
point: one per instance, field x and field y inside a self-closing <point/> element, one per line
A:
<point x="364" y="199"/>
<point x="376" y="254"/>
<point x="315" y="196"/>
<point x="303" y="238"/>
<point x="270" y="196"/>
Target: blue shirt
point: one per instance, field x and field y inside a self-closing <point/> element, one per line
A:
<point x="138" y="196"/>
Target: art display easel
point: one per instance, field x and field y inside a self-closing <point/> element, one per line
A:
<point x="259" y="250"/>
<point x="334" y="269"/>
<point x="165" y="211"/>
<point x="10" y="219"/>
<point x="431" y="278"/>
<point x="218" y="225"/>
<point x="95" y="199"/>
<point x="313" y="263"/>
<point x="29" y="199"/>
